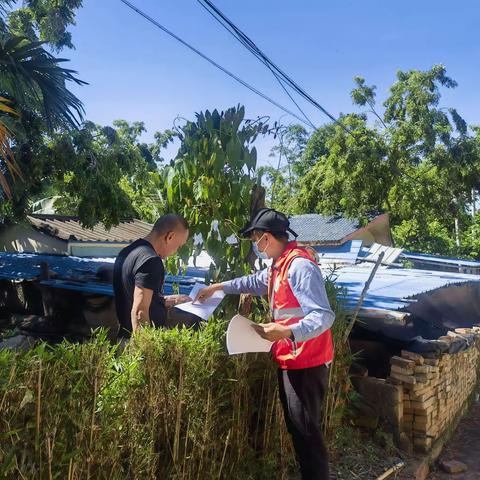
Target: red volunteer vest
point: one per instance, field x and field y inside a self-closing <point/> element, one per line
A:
<point x="286" y="310"/>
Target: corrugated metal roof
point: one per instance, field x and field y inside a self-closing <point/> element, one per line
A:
<point x="69" y="228"/>
<point x="184" y="287"/>
<point x="391" y="289"/>
<point x="346" y="253"/>
<point x="428" y="258"/>
<point x="315" y="228"/>
<point x="26" y="266"/>
<point x="394" y="289"/>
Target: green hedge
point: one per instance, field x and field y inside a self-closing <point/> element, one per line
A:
<point x="172" y="405"/>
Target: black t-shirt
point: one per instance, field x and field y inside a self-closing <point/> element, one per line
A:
<point x="138" y="265"/>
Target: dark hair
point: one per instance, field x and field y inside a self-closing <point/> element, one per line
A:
<point x="278" y="235"/>
<point x="169" y="223"/>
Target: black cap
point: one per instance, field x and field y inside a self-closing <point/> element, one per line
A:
<point x="268" y="220"/>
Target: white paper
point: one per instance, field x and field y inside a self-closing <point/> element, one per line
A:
<point x="242" y="338"/>
<point x="205" y="309"/>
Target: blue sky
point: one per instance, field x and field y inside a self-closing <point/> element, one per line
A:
<point x="136" y="72"/>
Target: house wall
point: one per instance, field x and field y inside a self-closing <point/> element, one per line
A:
<point x="95" y="249"/>
<point x="23" y="238"/>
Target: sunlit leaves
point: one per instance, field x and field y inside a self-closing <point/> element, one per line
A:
<point x="416" y="160"/>
<point x="211" y="180"/>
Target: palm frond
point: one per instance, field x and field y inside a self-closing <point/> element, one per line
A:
<point x="37" y="81"/>
<point x="7" y="160"/>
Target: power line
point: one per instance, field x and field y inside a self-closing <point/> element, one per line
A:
<point x="255" y="50"/>
<point x="208" y="59"/>
<point x="264" y="62"/>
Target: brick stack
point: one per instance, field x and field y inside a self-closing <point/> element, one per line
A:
<point x="435" y="391"/>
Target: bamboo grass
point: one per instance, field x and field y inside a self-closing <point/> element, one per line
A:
<point x="171" y="405"/>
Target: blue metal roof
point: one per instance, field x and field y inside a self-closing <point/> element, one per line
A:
<point x="26" y="266"/>
<point x="393" y="289"/>
<point x="86" y="287"/>
<point x="78" y="273"/>
<point x="345" y="253"/>
<point x="184" y="287"/>
<point x="428" y="258"/>
<point x="322" y="228"/>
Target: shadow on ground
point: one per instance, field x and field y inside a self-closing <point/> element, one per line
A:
<point x="463" y="447"/>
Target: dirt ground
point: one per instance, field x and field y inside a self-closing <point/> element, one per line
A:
<point x="463" y="447"/>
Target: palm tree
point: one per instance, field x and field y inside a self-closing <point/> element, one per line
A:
<point x="6" y="138"/>
<point x="32" y="80"/>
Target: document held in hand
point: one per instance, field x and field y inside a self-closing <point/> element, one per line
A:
<point x="205" y="309"/>
<point x="242" y="338"/>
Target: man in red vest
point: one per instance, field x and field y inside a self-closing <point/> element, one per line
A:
<point x="300" y="329"/>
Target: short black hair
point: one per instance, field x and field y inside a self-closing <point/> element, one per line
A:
<point x="169" y="223"/>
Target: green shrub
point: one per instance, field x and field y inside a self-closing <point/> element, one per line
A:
<point x="171" y="404"/>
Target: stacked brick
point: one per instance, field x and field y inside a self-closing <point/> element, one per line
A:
<point x="435" y="391"/>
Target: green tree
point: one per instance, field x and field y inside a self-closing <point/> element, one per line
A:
<point x="277" y="186"/>
<point x="102" y="174"/>
<point x="42" y="20"/>
<point x="211" y="180"/>
<point x="414" y="159"/>
<point x="35" y="99"/>
<point x="281" y="181"/>
<point x="33" y="83"/>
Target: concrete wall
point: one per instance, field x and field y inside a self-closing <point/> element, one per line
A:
<point x="23" y="238"/>
<point x="95" y="249"/>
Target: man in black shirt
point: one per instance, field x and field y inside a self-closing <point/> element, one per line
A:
<point x="138" y="275"/>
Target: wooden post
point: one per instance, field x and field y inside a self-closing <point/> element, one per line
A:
<point x="363" y="294"/>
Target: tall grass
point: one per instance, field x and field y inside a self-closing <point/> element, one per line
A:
<point x="171" y="405"/>
<point x="340" y="392"/>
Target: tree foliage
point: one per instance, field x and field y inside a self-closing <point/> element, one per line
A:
<point x="282" y="180"/>
<point x="36" y="102"/>
<point x="415" y="159"/>
<point x="42" y="20"/>
<point x="210" y="182"/>
<point x="104" y="174"/>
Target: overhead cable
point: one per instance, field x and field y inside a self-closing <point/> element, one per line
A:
<point x="208" y="59"/>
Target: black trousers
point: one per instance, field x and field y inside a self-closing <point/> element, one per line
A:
<point x="302" y="393"/>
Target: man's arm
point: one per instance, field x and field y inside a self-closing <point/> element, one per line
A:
<point x="254" y="284"/>
<point x="308" y="286"/>
<point x="174" y="300"/>
<point x="140" y="314"/>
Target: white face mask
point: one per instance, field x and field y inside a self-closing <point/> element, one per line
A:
<point x="262" y="255"/>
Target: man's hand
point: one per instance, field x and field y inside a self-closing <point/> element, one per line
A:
<point x="174" y="300"/>
<point x="139" y="322"/>
<point x="207" y="292"/>
<point x="272" y="331"/>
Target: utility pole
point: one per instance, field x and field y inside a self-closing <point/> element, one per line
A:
<point x="474" y="200"/>
<point x="457" y="233"/>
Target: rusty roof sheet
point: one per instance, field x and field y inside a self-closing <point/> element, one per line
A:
<point x="69" y="228"/>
